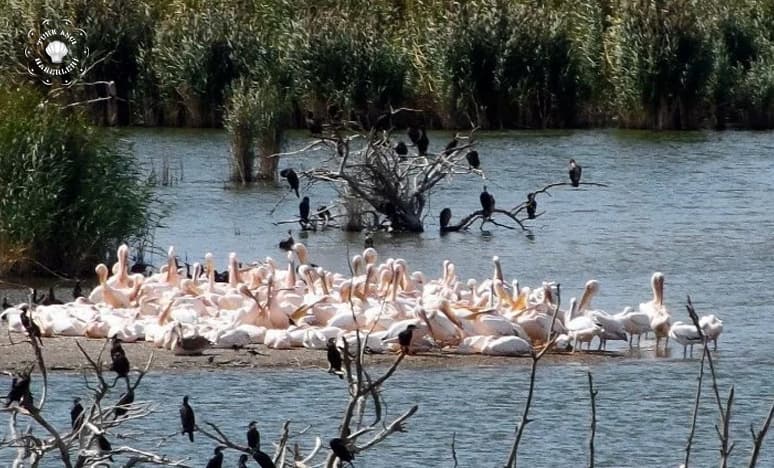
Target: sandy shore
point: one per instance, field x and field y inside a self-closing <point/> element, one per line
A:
<point x="61" y="354"/>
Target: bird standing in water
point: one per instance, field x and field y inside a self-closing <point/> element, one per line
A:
<point x="313" y="124"/>
<point x="287" y="244"/>
<point x="292" y="178"/>
<point x="575" y="173"/>
<point x="339" y="448"/>
<point x="187" y="419"/>
<point x="404" y="339"/>
<point x="303" y="211"/>
<point x="334" y="359"/>
<point x="253" y="436"/>
<point x="76" y="414"/>
<point x="217" y="459"/>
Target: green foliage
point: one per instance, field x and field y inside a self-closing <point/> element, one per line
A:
<point x="68" y="193"/>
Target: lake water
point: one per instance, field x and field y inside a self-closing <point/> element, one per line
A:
<point x="696" y="206"/>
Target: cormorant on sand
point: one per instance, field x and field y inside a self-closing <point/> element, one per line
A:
<point x="187" y="419"/>
<point x="253" y="436"/>
<point x="76" y="414"/>
<point x="217" y="459"/>
<point x="292" y="177"/>
<point x="473" y="159"/>
<point x="575" y="173"/>
<point x="531" y="205"/>
<point x="334" y="359"/>
<point x="303" y="210"/>
<point x="404" y="339"/>
<point x="339" y="448"/>
<point x="487" y="202"/>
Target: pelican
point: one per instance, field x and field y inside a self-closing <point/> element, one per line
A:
<point x="712" y="328"/>
<point x="660" y="319"/>
<point x="686" y="334"/>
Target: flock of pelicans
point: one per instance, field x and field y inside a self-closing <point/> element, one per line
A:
<point x="303" y="305"/>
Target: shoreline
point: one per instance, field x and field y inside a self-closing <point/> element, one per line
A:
<point x="62" y="355"/>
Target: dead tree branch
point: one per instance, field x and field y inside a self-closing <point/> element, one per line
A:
<point x="593" y="397"/>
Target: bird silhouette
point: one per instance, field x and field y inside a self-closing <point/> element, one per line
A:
<point x="292" y="178"/>
<point x="575" y="173"/>
<point x="187" y="419"/>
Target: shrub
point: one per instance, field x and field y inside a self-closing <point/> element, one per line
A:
<point x="69" y="194"/>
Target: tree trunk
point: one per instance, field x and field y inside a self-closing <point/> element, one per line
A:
<point x="267" y="166"/>
<point x="242" y="155"/>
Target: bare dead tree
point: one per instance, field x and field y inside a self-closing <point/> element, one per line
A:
<point x="758" y="438"/>
<point x="593" y="429"/>
<point x="97" y="420"/>
<point x="550" y="339"/>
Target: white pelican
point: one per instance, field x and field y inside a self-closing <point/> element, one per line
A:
<point x="712" y="328"/>
<point x="686" y="334"/>
<point x="635" y="322"/>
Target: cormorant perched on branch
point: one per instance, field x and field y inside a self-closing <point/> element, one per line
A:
<point x="446" y="215"/>
<point x="253" y="436"/>
<point x="264" y="460"/>
<point x="125" y="400"/>
<point x="401" y="149"/>
<point x="487" y="202"/>
<point x="187" y="419"/>
<point x="334" y="359"/>
<point x="341" y="451"/>
<point x="120" y="364"/>
<point x="575" y="173"/>
<point x="104" y="445"/>
<point x="217" y="460"/>
<point x="20" y="391"/>
<point x="450" y="146"/>
<point x="33" y="330"/>
<point x="303" y="210"/>
<point x="242" y="461"/>
<point x="404" y="339"/>
<point x="531" y="205"/>
<point x="292" y="177"/>
<point x="76" y="414"/>
<point x="473" y="159"/>
<point x="314" y="125"/>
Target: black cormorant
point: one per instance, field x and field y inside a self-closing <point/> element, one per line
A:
<point x="450" y="146"/>
<point x="423" y="143"/>
<point x="104" y="445"/>
<point x="288" y="243"/>
<point x="473" y="159"/>
<point x="401" y="149"/>
<point x="404" y="338"/>
<point x="242" y="461"/>
<point x="264" y="460"/>
<point x="6" y="305"/>
<point x="187" y="419"/>
<point x="20" y="391"/>
<point x="125" y="400"/>
<point x="120" y="363"/>
<point x="341" y="451"/>
<point x="50" y="298"/>
<point x="531" y="205"/>
<point x="253" y="436"/>
<point x="303" y="210"/>
<point x="487" y="202"/>
<point x="33" y="330"/>
<point x="334" y="359"/>
<point x="76" y="414"/>
<point x="414" y="135"/>
<point x="368" y="241"/>
<point x="217" y="459"/>
<point x="77" y="292"/>
<point x="313" y="124"/>
<point x="292" y="177"/>
<point x="446" y="215"/>
<point x="575" y="173"/>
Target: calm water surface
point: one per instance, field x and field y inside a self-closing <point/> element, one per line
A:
<point x="696" y="206"/>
